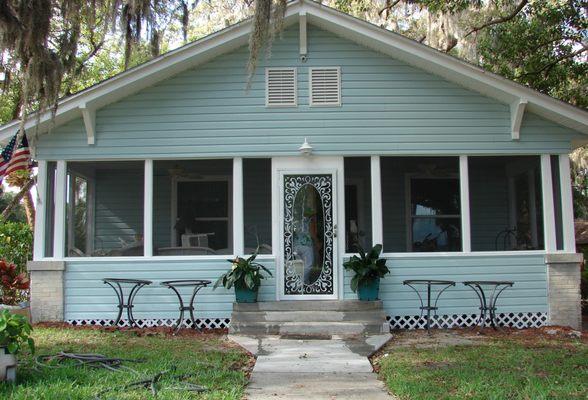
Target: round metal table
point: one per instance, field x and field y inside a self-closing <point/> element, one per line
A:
<point x="428" y="282"/>
<point x="488" y="305"/>
<point x="197" y="284"/>
<point x="137" y="284"/>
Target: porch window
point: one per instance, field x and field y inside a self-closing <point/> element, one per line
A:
<point x="50" y="213"/>
<point x="358" y="223"/>
<point x="104" y="215"/>
<point x="505" y="203"/>
<point x="420" y="204"/>
<point x="257" y="205"/>
<point x="192" y="207"/>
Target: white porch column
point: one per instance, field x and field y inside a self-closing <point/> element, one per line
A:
<point x="464" y="193"/>
<point x="376" y="186"/>
<point x="40" y="211"/>
<point x="148" y="210"/>
<point x="60" y="208"/>
<point x="238" y="227"/>
<point x="548" y="206"/>
<point x="567" y="204"/>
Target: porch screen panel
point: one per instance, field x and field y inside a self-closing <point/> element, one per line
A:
<point x="192" y="207"/>
<point x="421" y="207"/>
<point x="505" y="203"/>
<point x="358" y="208"/>
<point x="104" y="203"/>
<point x="257" y="205"/>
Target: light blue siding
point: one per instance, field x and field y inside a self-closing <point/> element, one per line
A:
<point x="529" y="294"/>
<point x="86" y="297"/>
<point x="388" y="107"/>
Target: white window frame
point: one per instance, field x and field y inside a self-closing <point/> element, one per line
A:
<point x="310" y="102"/>
<point x="228" y="219"/>
<point x="90" y="220"/>
<point x="282" y="105"/>
<point x="408" y="177"/>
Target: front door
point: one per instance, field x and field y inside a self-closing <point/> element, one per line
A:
<point x="308" y="235"/>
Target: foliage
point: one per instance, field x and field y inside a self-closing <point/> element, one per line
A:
<point x="15" y="332"/>
<point x="367" y="267"/>
<point x="12" y="283"/>
<point x="244" y="273"/>
<point x="579" y="171"/>
<point x="16" y="244"/>
<point x="214" y="361"/>
<point x="501" y="367"/>
<point x="18" y="213"/>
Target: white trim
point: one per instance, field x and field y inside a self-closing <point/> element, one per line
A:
<point x="108" y="259"/>
<point x="376" y="187"/>
<point x="238" y="224"/>
<point x="60" y="193"/>
<point x="517" y="110"/>
<point x="464" y="192"/>
<point x="302" y="34"/>
<point x="148" y="210"/>
<point x="567" y="206"/>
<point x="294" y="71"/>
<point x="41" y="211"/>
<point x="70" y="195"/>
<point x="310" y="81"/>
<point x="548" y="206"/>
<point x="89" y="117"/>
<point x="446" y="254"/>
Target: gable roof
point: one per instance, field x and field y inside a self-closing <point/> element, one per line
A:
<point x="344" y="25"/>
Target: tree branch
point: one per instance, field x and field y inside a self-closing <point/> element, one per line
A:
<point x="17" y="199"/>
<point x="547" y="67"/>
<point x="388" y="7"/>
<point x="500" y="20"/>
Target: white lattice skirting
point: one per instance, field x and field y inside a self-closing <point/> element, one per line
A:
<point x="512" y="320"/>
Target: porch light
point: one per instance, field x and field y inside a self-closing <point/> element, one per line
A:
<point x="306" y="148"/>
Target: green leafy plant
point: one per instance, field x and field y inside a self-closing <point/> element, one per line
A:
<point x="16" y="244"/>
<point x="366" y="266"/>
<point x="15" y="332"/>
<point x="244" y="273"/>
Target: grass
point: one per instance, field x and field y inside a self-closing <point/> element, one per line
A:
<point x="493" y="368"/>
<point x="216" y="363"/>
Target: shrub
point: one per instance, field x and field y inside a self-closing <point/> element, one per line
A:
<point x="15" y="332"/>
<point x="12" y="283"/>
<point x="16" y="244"/>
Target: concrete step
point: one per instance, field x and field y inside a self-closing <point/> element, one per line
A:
<point x="308" y="328"/>
<point x="370" y="316"/>
<point x="309" y="305"/>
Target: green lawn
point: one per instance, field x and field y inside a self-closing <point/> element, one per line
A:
<point x="492" y="368"/>
<point x="218" y="365"/>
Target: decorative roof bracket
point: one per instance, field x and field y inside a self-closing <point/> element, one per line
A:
<point x="89" y="115"/>
<point x="517" y="109"/>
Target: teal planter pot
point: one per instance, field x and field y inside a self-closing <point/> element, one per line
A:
<point x="369" y="291"/>
<point x="245" y="295"/>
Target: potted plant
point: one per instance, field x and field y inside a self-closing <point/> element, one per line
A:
<point x="13" y="287"/>
<point x="368" y="269"/>
<point x="15" y="333"/>
<point x="245" y="275"/>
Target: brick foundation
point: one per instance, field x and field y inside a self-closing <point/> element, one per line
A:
<point x="46" y="290"/>
<point x="563" y="282"/>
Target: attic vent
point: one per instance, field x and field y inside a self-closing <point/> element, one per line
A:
<point x="280" y="87"/>
<point x="325" y="86"/>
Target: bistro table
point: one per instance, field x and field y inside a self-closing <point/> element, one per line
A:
<point x="488" y="305"/>
<point x="197" y="284"/>
<point x="136" y="285"/>
<point x="429" y="283"/>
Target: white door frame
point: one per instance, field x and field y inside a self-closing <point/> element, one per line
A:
<point x="309" y="165"/>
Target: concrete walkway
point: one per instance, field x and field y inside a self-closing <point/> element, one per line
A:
<point x="313" y="369"/>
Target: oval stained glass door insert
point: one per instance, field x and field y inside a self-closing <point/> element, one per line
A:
<point x="308" y="234"/>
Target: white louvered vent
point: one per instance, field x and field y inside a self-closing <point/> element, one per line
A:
<point x="280" y="88"/>
<point x="325" y="86"/>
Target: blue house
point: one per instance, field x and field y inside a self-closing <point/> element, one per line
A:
<point x="350" y="135"/>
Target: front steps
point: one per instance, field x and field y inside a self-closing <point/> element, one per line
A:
<point x="309" y="318"/>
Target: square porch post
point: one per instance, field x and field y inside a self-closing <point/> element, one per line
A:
<point x="60" y="208"/>
<point x="464" y="194"/>
<point x="548" y="205"/>
<point x="376" y="186"/>
<point x="567" y="204"/>
<point x="148" y="210"/>
<point x="238" y="224"/>
<point x="40" y="211"/>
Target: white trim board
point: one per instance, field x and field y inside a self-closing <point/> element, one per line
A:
<point x="344" y="25"/>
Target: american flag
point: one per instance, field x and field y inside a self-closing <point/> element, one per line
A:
<point x="11" y="160"/>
